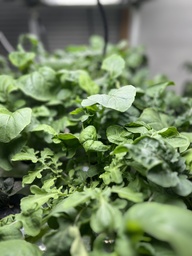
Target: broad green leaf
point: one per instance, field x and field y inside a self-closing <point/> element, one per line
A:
<point x="19" y="248"/>
<point x="187" y="155"/>
<point x="163" y="222"/>
<point x="114" y="64"/>
<point x="68" y="138"/>
<point x="89" y="133"/>
<point x="40" y="85"/>
<point x="7" y="85"/>
<point x="168" y="132"/>
<point x="155" y="119"/>
<point x="91" y="145"/>
<point x="179" y="141"/>
<point x="184" y="187"/>
<point x="44" y="128"/>
<point x="87" y="84"/>
<point x="105" y="218"/>
<point x="129" y="194"/>
<point x="13" y="123"/>
<point x="157" y="160"/>
<point x="157" y="89"/>
<point x="21" y="59"/>
<point x="11" y="231"/>
<point x="31" y="221"/>
<point x="164" y="178"/>
<point x="118" y="99"/>
<point x="117" y="134"/>
<point x="77" y="247"/>
<point x="137" y="127"/>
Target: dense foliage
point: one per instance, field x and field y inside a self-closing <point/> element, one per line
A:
<point x="100" y="156"/>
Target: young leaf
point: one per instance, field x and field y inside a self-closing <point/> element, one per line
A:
<point x="119" y="99"/>
<point x="12" y="124"/>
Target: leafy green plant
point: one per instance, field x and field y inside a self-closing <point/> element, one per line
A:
<point x="100" y="156"/>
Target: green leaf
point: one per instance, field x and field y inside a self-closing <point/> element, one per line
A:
<point x="13" y="123"/>
<point x="98" y="146"/>
<point x="157" y="89"/>
<point x="119" y="99"/>
<point x="40" y="85"/>
<point x="27" y="154"/>
<point x="163" y="222"/>
<point x="105" y="218"/>
<point x="188" y="159"/>
<point x="31" y="221"/>
<point x="45" y="128"/>
<point x="19" y="248"/>
<point x="87" y="84"/>
<point x="7" y="85"/>
<point x="117" y="134"/>
<point x="11" y="231"/>
<point x="21" y="59"/>
<point x="157" y="160"/>
<point x="89" y="133"/>
<point x="155" y="119"/>
<point x="40" y="197"/>
<point x="77" y="247"/>
<point x="73" y="200"/>
<point x="129" y="194"/>
<point x="184" y="187"/>
<point x="114" y="64"/>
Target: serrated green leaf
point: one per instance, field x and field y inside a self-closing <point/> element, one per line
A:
<point x="27" y="154"/>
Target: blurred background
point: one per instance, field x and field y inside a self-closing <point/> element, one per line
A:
<point x="163" y="27"/>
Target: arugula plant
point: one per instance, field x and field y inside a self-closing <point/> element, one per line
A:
<point x="100" y="155"/>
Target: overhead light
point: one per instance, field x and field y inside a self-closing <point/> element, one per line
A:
<point x="80" y="2"/>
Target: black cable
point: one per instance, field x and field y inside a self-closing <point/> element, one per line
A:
<point x="105" y="27"/>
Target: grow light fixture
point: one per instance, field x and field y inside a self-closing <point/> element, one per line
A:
<point x="80" y="2"/>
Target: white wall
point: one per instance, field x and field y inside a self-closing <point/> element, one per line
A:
<point x="166" y="32"/>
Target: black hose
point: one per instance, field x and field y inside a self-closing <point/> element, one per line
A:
<point x="105" y="27"/>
